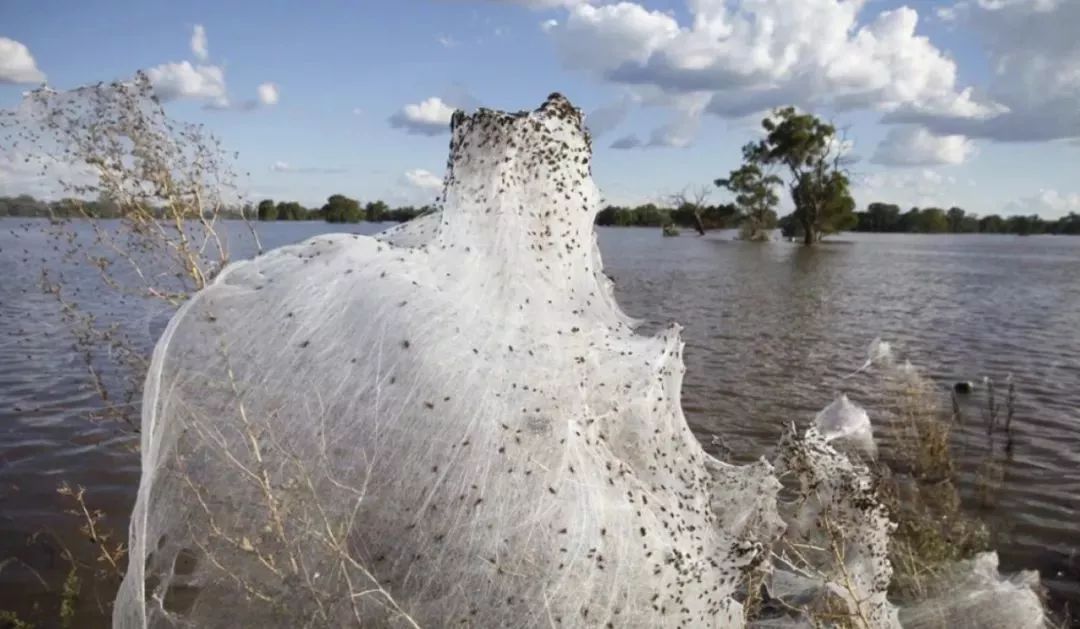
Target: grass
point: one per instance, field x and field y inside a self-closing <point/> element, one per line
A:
<point x="917" y="483"/>
<point x="915" y="480"/>
<point x="10" y="620"/>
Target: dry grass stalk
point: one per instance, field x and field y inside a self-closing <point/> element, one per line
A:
<point x="918" y="483"/>
<point x="144" y="202"/>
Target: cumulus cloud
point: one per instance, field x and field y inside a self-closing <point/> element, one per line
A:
<point x="17" y="65"/>
<point x="753" y="55"/>
<point x="602" y="38"/>
<point x="923" y="187"/>
<point x="424" y="180"/>
<point x="41" y="175"/>
<point x="679" y="133"/>
<point x="911" y="145"/>
<point x="286" y="167"/>
<point x="1047" y="203"/>
<point x="182" y="80"/>
<point x="418" y="187"/>
<point x="198" y="43"/>
<point x="430" y="117"/>
<point x="1034" y="55"/>
<point x="268" y="94"/>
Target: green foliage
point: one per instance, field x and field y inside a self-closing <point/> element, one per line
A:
<point x="932" y="221"/>
<point x="992" y="224"/>
<point x="755" y="199"/>
<point x="268" y="210"/>
<point x="879" y="217"/>
<point x="650" y="215"/>
<point x="376" y="211"/>
<point x="956" y="218"/>
<point x="1068" y="224"/>
<point x="806" y="148"/>
<point x="1025" y="225"/>
<point x="823" y="203"/>
<point x="723" y="216"/>
<point x="291" y="211"/>
<point x="68" y="598"/>
<point x="341" y="209"/>
<point x="11" y="620"/>
<point x="886" y="217"/>
<point x="406" y="213"/>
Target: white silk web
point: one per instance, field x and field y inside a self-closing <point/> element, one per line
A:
<point x="453" y="423"/>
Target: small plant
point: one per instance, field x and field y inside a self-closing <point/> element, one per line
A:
<point x="918" y="484"/>
<point x="110" y="556"/>
<point x="69" y="598"/>
<point x="11" y="620"/>
<point x="165" y="188"/>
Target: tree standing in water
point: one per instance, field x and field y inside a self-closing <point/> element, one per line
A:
<point x="755" y="198"/>
<point x="808" y="150"/>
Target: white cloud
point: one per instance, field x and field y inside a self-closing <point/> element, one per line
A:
<point x="199" y="43"/>
<point x="17" y="65"/>
<point x="911" y="145"/>
<point x="424" y="180"/>
<point x="679" y="133"/>
<point x="41" y="175"/>
<point x="547" y="25"/>
<point x="430" y="117"/>
<point x="182" y="80"/>
<point x="286" y="167"/>
<point x="1034" y="55"/>
<point x="446" y="41"/>
<point x="268" y="94"/>
<point x="945" y="14"/>
<point x="747" y="56"/>
<point x="605" y="37"/>
<point x="924" y="187"/>
<point x="1048" y="203"/>
<point x="418" y="187"/>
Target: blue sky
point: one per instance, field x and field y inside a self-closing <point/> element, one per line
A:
<point x="971" y="103"/>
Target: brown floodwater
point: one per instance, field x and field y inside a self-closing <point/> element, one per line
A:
<point x="771" y="332"/>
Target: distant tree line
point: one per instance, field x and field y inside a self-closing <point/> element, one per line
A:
<point x="888" y="217"/>
<point x="26" y="205"/>
<point x="338" y="209"/>
<point x="722" y="216"/>
<point x="878" y="217"/>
